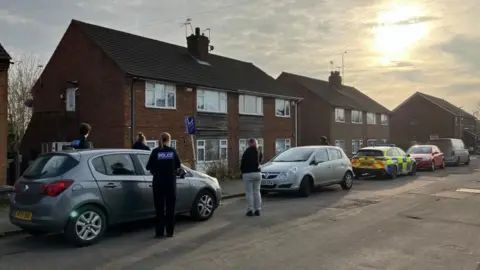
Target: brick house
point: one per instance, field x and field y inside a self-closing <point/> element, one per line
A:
<point x="95" y="71"/>
<point x="421" y="116"/>
<point x="4" y="65"/>
<point x="349" y="118"/>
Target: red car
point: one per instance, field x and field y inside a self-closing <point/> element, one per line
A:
<point x="427" y="157"/>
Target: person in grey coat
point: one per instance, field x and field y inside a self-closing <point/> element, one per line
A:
<point x="250" y="168"/>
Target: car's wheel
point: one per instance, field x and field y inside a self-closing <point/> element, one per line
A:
<point x="432" y="167"/>
<point x="468" y="161"/>
<point x="87" y="227"/>
<point x="442" y="166"/>
<point x="347" y="181"/>
<point x="457" y="163"/>
<point x="203" y="206"/>
<point x="306" y="187"/>
<point x="393" y="174"/>
<point x="413" y="171"/>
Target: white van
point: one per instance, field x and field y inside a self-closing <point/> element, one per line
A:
<point x="454" y="150"/>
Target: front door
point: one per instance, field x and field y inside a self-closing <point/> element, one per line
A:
<point x="323" y="169"/>
<point x="121" y="187"/>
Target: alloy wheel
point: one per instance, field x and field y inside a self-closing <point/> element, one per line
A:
<point x="205" y="205"/>
<point x="88" y="225"/>
<point x="348" y="180"/>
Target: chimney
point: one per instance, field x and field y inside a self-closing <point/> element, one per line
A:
<point x="198" y="45"/>
<point x="335" y="79"/>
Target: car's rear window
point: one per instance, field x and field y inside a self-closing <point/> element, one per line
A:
<point x="369" y="153"/>
<point x="50" y="166"/>
<point x="444" y="145"/>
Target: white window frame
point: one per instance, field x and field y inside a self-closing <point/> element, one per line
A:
<point x="222" y="97"/>
<point x="374" y="118"/>
<point x="355" y="145"/>
<point x="168" y="88"/>
<point x="70" y="99"/>
<point x="384" y="119"/>
<point x="200" y="145"/>
<point x="384" y="141"/>
<point x="222" y="144"/>
<point x="361" y="117"/>
<point x="338" y="144"/>
<point x="245" y="142"/>
<point x="339" y="111"/>
<point x="173" y="143"/>
<point x="371" y="140"/>
<point x="286" y="103"/>
<point x="287" y="143"/>
<point x="242" y="103"/>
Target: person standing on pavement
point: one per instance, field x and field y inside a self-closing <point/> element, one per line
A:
<point x="324" y="141"/>
<point x="140" y="144"/>
<point x="163" y="164"/>
<point x="250" y="168"/>
<point x="82" y="142"/>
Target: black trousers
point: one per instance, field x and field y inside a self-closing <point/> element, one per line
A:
<point x="165" y="196"/>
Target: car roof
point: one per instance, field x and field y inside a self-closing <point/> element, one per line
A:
<point x="100" y="151"/>
<point x="423" y="145"/>
<point x="380" y="148"/>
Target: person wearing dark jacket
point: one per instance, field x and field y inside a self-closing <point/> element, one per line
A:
<point x="140" y="144"/>
<point x="324" y="141"/>
<point x="250" y="168"/>
<point x="163" y="164"/>
<point x="82" y="142"/>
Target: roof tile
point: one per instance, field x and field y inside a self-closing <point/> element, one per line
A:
<point x="447" y="105"/>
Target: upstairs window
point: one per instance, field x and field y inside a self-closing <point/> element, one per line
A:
<point x="371" y="118"/>
<point x="339" y="115"/>
<point x="357" y="117"/>
<point x="282" y="108"/>
<point x="211" y="101"/>
<point x="384" y="120"/>
<point x="250" y="105"/>
<point x="70" y="99"/>
<point x="160" y="95"/>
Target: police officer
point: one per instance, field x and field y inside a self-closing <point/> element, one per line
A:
<point x="323" y="141"/>
<point x="82" y="142"/>
<point x="163" y="164"/>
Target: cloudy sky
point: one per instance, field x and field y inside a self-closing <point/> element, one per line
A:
<point x="394" y="47"/>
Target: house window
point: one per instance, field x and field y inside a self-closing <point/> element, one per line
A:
<point x="250" y="105"/>
<point x="282" y="145"/>
<point x="154" y="144"/>
<point x="356" y="145"/>
<point x="371" y="118"/>
<point x="384" y="141"/>
<point x="160" y="95"/>
<point x="371" y="142"/>
<point x="242" y="145"/>
<point x="211" y="101"/>
<point x="340" y="143"/>
<point x="70" y="99"/>
<point x="384" y="120"/>
<point x="339" y="115"/>
<point x="212" y="150"/>
<point x="357" y="117"/>
<point x="282" y="108"/>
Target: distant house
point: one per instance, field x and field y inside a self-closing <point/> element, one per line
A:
<point x="95" y="71"/>
<point x="4" y="65"/>
<point x="422" y="116"/>
<point x="349" y="118"/>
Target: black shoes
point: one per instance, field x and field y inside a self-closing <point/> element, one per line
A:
<point x="251" y="213"/>
<point x="257" y="213"/>
<point x="159" y="236"/>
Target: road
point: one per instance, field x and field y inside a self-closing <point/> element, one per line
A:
<point x="415" y="222"/>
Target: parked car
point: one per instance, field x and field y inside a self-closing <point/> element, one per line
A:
<point x="301" y="169"/>
<point x="80" y="193"/>
<point x="454" y="150"/>
<point x="427" y="157"/>
<point x="383" y="160"/>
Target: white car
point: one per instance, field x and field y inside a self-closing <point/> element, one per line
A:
<point x="301" y="169"/>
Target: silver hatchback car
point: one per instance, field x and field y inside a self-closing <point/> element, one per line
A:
<point x="301" y="169"/>
<point x="80" y="193"/>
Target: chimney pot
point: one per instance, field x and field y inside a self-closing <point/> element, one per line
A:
<point x="197" y="31"/>
<point x="198" y="45"/>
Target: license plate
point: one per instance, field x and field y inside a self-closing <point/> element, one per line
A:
<point x="267" y="182"/>
<point x="23" y="215"/>
<point x="367" y="163"/>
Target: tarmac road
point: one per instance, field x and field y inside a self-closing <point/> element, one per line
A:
<point x="415" y="222"/>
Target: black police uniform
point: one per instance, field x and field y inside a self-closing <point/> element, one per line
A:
<point x="163" y="164"/>
<point x="81" y="143"/>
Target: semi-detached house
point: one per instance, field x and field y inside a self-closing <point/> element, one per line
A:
<point x="116" y="80"/>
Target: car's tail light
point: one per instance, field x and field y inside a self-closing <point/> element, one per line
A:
<point x="55" y="188"/>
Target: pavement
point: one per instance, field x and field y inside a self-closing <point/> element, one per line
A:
<point x="428" y="221"/>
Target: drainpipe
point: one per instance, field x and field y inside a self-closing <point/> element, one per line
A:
<point x="132" y="111"/>
<point x="297" y="102"/>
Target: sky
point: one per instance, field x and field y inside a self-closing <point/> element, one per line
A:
<point x="393" y="47"/>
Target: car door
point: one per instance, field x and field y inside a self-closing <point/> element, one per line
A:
<point x="121" y="187"/>
<point x="322" y="169"/>
<point x="463" y="152"/>
<point x="438" y="157"/>
<point x="406" y="162"/>
<point x="338" y="164"/>
<point x="183" y="187"/>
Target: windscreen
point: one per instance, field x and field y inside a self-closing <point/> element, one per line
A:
<point x="420" y="150"/>
<point x="294" y="155"/>
<point x="369" y="153"/>
<point x="50" y="166"/>
<point x="444" y="145"/>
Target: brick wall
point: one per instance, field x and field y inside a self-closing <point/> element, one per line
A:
<point x="3" y="122"/>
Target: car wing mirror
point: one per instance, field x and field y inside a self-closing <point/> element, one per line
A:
<point x="313" y="162"/>
<point x="181" y="173"/>
<point x="408" y="155"/>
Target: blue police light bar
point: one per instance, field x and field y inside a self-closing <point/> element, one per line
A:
<point x="386" y="144"/>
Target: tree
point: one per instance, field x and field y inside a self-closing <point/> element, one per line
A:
<point x="22" y="76"/>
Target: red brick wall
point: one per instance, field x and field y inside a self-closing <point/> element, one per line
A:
<point x="3" y="122"/>
<point x="99" y="101"/>
<point x="276" y="127"/>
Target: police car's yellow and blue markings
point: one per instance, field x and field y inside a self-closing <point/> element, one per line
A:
<point x="382" y="164"/>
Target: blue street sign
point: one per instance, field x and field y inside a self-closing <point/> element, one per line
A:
<point x="190" y="125"/>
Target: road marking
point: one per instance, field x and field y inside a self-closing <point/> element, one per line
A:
<point x="469" y="190"/>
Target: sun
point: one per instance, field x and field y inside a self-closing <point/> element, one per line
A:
<point x="397" y="32"/>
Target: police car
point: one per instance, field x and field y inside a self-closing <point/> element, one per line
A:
<point x="383" y="160"/>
